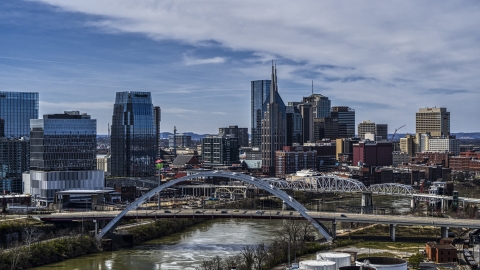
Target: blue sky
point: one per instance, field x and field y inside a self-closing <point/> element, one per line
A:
<point x="385" y="59"/>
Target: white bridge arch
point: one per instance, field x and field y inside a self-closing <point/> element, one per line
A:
<point x="265" y="185"/>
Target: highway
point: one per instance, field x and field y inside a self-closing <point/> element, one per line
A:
<point x="407" y="220"/>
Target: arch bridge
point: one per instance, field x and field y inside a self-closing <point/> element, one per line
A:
<point x="265" y="185"/>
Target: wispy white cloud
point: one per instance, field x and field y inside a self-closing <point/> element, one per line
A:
<point x="191" y="61"/>
<point x="386" y="52"/>
<point x="58" y="107"/>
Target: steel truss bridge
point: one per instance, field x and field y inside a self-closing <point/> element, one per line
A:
<point x="332" y="183"/>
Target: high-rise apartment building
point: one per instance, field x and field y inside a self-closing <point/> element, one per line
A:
<point x="273" y="127"/>
<point x="179" y="140"/>
<point x="444" y="145"/>
<point x="157" y="113"/>
<point x="306" y="110"/>
<point x="133" y="140"/>
<point x="259" y="91"/>
<point x="16" y="109"/>
<point x="381" y="130"/>
<point x="365" y="127"/>
<point x="321" y="105"/>
<point x="240" y="133"/>
<point x="2" y="128"/>
<point x="325" y="128"/>
<point x="346" y="121"/>
<point x="222" y="150"/>
<point x="376" y="130"/>
<point x="435" y="121"/>
<point x="62" y="155"/>
<point x="294" y="125"/>
<point x="407" y="145"/>
<point x="14" y="160"/>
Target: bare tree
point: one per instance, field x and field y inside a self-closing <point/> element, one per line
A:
<point x="217" y="263"/>
<point x="261" y="254"/>
<point x="233" y="261"/>
<point x="31" y="235"/>
<point x="248" y="254"/>
<point x="16" y="251"/>
<point x="306" y="230"/>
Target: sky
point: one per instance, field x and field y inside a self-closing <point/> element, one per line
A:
<point x="385" y="59"/>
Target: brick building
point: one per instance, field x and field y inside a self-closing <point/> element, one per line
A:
<point x="294" y="158"/>
<point x="373" y="153"/>
<point x="433" y="158"/>
<point x="441" y="253"/>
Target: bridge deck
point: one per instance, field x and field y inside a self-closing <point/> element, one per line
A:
<point x="268" y="214"/>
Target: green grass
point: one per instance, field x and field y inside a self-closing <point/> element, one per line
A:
<point x="384" y="230"/>
<point x="403" y="247"/>
<point x="381" y="254"/>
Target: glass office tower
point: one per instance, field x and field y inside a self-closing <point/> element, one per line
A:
<point x="260" y="90"/>
<point x="16" y="109"/>
<point x="133" y="140"/>
<point x="346" y="121"/>
<point x="63" y="142"/>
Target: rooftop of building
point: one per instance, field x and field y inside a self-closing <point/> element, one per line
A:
<point x="67" y="115"/>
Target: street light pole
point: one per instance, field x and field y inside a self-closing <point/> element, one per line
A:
<point x="159" y="191"/>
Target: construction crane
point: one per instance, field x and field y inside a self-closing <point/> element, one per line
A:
<point x="394" y="133"/>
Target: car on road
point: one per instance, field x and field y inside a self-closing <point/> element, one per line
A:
<point x="198" y="212"/>
<point x="342" y="215"/>
<point x="167" y="211"/>
<point x="224" y="212"/>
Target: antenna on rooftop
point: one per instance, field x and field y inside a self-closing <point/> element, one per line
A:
<point x="312" y="87"/>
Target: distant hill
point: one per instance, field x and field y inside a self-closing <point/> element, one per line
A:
<point x="195" y="136"/>
<point x="459" y="135"/>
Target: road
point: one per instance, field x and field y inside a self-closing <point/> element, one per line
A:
<point x="406" y="220"/>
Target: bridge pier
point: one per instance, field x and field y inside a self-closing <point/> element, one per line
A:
<point x="285" y="206"/>
<point x="367" y="203"/>
<point x="334" y="230"/>
<point x="392" y="232"/>
<point x="413" y="203"/>
<point x="443" y="232"/>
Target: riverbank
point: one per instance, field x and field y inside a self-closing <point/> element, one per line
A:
<point x="25" y="256"/>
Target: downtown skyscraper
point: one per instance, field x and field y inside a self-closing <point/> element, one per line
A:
<point x="134" y="139"/>
<point x="273" y="126"/>
<point x="62" y="156"/>
<point x="260" y="90"/>
<point x="16" y="110"/>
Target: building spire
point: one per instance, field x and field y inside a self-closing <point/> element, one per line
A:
<point x="312" y="87"/>
<point x="273" y="83"/>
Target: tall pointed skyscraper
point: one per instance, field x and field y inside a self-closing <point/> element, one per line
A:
<point x="273" y="126"/>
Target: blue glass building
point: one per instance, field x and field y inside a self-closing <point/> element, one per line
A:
<point x="260" y="90"/>
<point x="133" y="140"/>
<point x="62" y="155"/>
<point x="16" y="109"/>
<point x="63" y="142"/>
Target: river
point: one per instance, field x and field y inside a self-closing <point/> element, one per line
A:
<point x="181" y="250"/>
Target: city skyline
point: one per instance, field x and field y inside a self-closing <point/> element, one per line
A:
<point x="384" y="60"/>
